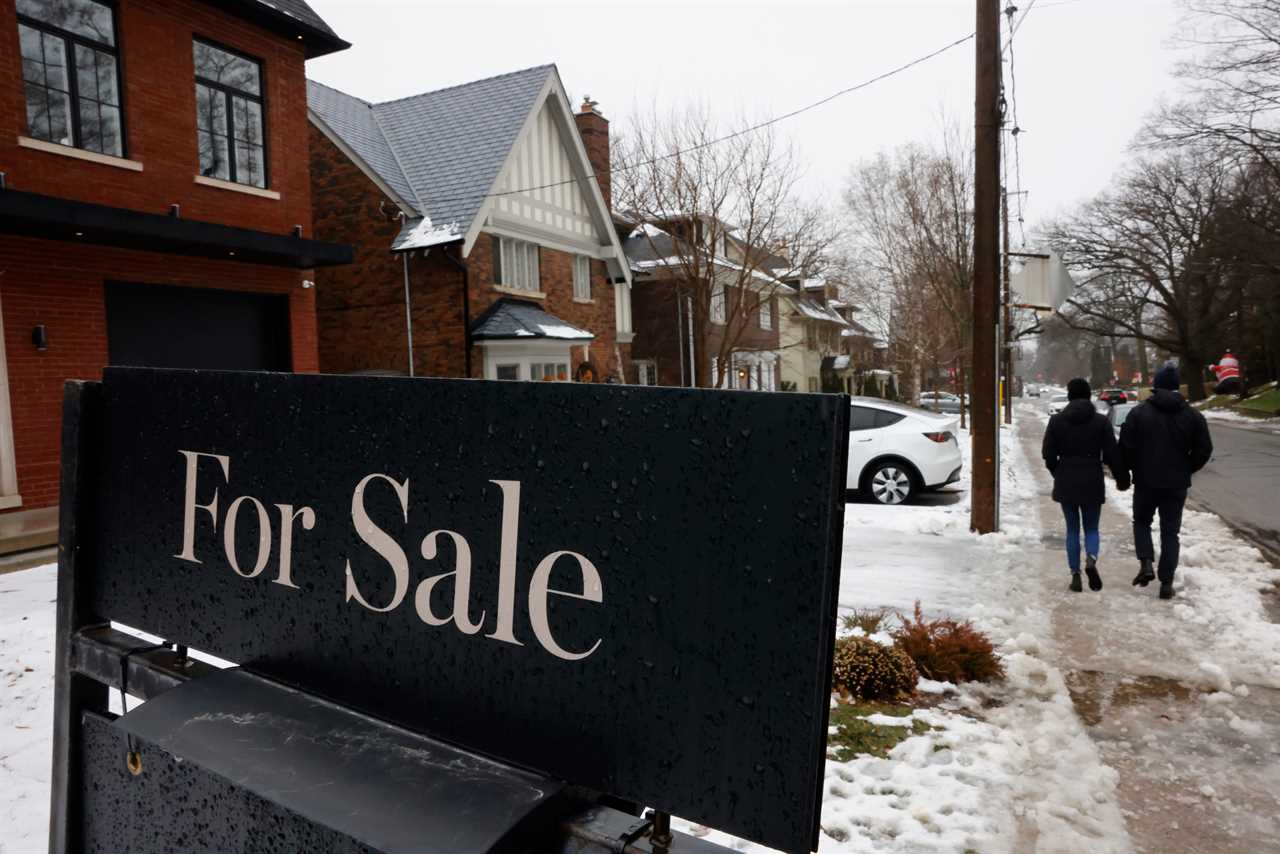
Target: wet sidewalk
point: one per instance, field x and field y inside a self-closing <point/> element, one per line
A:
<point x="1182" y="698"/>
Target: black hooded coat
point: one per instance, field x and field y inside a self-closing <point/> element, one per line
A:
<point x="1077" y="442"/>
<point x="1165" y="441"/>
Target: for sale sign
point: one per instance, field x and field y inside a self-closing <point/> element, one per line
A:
<point x="630" y="589"/>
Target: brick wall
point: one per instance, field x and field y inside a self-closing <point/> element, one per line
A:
<point x="60" y="285"/>
<point x="157" y="74"/>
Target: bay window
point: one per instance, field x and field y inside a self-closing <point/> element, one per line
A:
<point x="71" y="74"/>
<point x="229" y="123"/>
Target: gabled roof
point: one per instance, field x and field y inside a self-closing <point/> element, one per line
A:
<point x="815" y="310"/>
<point x="523" y="320"/>
<point x="290" y="18"/>
<point x="439" y="152"/>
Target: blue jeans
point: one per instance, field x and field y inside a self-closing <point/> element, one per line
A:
<point x="1076" y="515"/>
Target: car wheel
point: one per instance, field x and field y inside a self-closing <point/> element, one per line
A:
<point x="890" y="483"/>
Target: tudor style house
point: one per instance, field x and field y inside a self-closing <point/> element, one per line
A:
<point x="483" y="239"/>
<point x="153" y="209"/>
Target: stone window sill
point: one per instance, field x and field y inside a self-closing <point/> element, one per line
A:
<point x="10" y="501"/>
<point x="516" y="292"/>
<point x="218" y="183"/>
<point x="587" y="301"/>
<point x="80" y="154"/>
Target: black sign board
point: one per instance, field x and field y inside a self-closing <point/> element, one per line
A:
<point x="630" y="589"/>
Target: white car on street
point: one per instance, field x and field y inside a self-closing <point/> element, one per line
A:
<point x="895" y="451"/>
<point x="1057" y="403"/>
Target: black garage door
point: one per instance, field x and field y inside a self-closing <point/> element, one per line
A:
<point x="169" y="327"/>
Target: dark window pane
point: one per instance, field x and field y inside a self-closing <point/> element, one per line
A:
<point x="55" y="63"/>
<point x="29" y="39"/>
<point x="38" y="112"/>
<point x="60" y="117"/>
<point x="108" y="86"/>
<point x="213" y="155"/>
<point x="112" y="134"/>
<point x="82" y="17"/>
<point x="887" y="419"/>
<point x="211" y="110"/>
<point x="248" y="120"/>
<point x="861" y="418"/>
<point x="87" y="72"/>
<point x="226" y="68"/>
<point x="249" y="165"/>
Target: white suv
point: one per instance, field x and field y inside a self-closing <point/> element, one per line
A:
<point x="895" y="451"/>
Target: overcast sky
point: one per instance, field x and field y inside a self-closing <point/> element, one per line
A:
<point x="1087" y="70"/>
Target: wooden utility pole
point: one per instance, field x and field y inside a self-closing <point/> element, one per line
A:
<point x="983" y="516"/>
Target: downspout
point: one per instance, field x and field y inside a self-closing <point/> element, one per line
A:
<point x="466" y="312"/>
<point x="680" y="335"/>
<point x="408" y="310"/>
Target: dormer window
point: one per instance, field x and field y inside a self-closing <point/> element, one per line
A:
<point x="229" y="127"/>
<point x="70" y="74"/>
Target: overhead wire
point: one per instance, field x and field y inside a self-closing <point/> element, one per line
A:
<point x="1016" y="131"/>
<point x="920" y="60"/>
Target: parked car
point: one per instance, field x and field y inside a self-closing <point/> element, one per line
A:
<point x="1057" y="403"/>
<point x="940" y="401"/>
<point x="1112" y="396"/>
<point x="896" y="451"/>
<point x="1131" y="394"/>
<point x="1119" y="413"/>
<point x="1033" y="391"/>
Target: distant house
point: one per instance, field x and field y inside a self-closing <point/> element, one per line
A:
<point x="483" y="239"/>
<point x="152" y="209"/>
<point x="743" y="322"/>
<point x="810" y="332"/>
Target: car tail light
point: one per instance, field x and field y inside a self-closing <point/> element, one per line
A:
<point x="944" y="436"/>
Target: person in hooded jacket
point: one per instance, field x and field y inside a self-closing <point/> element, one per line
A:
<point x="1164" y="442"/>
<point x="1077" y="442"/>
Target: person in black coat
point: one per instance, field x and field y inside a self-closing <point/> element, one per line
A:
<point x="1077" y="442"/>
<point x="1164" y="442"/>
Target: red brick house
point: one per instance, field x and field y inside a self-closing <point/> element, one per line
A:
<point x="669" y="341"/>
<point x="483" y="240"/>
<point x="154" y="208"/>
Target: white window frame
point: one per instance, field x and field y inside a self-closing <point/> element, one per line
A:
<point x="9" y="496"/>
<point x="582" y="278"/>
<point x="766" y="313"/>
<point x="530" y="358"/>
<point x="718" y="304"/>
<point x="516" y="265"/>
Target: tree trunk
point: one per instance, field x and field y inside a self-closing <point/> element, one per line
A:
<point x="1193" y="376"/>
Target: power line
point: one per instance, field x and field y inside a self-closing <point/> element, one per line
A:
<point x="920" y="60"/>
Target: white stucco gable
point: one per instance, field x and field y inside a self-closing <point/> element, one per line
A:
<point x="545" y="191"/>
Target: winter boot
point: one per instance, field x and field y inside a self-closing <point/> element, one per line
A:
<point x="1166" y="590"/>
<point x="1076" y="586"/>
<point x="1091" y="570"/>
<point x="1146" y="574"/>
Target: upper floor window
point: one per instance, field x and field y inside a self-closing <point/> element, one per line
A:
<point x="766" y="313"/>
<point x="581" y="277"/>
<point x="515" y="264"/>
<point x="71" y="74"/>
<point x="229" y="127"/>
<point x="718" y="306"/>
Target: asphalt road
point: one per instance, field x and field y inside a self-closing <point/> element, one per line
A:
<point x="1242" y="484"/>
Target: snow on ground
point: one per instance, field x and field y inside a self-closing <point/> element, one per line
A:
<point x="26" y="708"/>
<point x="1238" y="419"/>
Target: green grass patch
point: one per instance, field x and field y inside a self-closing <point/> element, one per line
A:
<point x="1267" y="403"/>
<point x="856" y="736"/>
<point x="1218" y="401"/>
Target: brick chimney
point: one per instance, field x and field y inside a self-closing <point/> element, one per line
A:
<point x="594" y="129"/>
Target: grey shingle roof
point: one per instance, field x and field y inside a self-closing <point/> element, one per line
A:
<point x="440" y="151"/>
<point x="289" y="18"/>
<point x="515" y="319"/>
